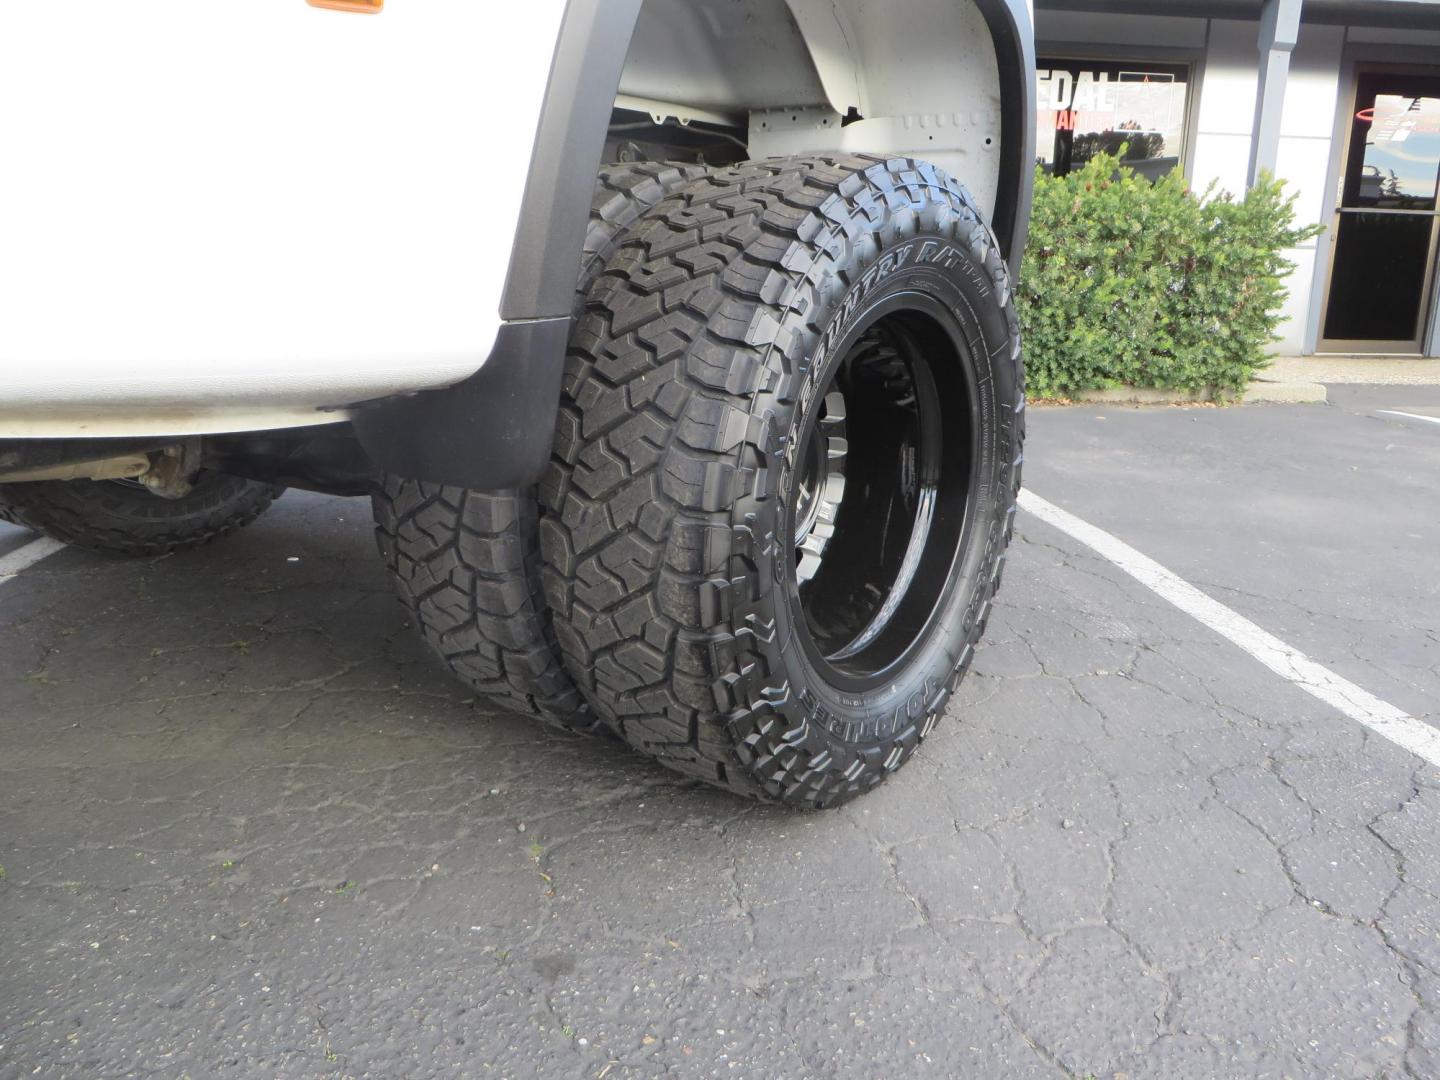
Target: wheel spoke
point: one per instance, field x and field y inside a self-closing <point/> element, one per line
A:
<point x="821" y="487"/>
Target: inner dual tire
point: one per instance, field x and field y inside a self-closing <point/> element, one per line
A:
<point x="785" y="472"/>
<point x="467" y="563"/>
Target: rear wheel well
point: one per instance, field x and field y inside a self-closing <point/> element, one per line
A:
<point x="720" y="82"/>
<point x="949" y="81"/>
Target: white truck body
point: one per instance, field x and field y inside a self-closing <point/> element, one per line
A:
<point x="224" y="217"/>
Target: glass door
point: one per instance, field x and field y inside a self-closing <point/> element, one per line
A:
<point x="1386" y="226"/>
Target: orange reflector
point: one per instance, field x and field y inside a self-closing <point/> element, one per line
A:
<point x="364" y="7"/>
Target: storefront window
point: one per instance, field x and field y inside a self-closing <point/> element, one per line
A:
<point x="1088" y="107"/>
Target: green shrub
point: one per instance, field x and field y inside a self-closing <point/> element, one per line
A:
<point x="1132" y="283"/>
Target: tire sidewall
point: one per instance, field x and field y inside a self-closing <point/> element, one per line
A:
<point x="840" y="740"/>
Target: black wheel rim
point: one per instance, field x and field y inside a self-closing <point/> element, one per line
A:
<point x="883" y="496"/>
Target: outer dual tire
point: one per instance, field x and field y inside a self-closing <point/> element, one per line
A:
<point x="722" y="321"/>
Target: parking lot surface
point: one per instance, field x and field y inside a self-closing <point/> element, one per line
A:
<point x="249" y="828"/>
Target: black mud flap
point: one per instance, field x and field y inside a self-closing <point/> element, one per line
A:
<point x="492" y="431"/>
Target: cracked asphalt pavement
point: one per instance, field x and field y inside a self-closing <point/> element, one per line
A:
<point x="248" y="828"/>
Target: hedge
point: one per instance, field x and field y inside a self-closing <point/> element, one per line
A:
<point x="1129" y="283"/>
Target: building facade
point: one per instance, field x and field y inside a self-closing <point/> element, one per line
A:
<point x="1338" y="98"/>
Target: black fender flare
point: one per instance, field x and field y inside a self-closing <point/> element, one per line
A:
<point x="1014" y="37"/>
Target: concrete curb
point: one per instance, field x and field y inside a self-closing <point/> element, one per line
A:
<point x="1141" y="395"/>
<point x="1372" y="370"/>
<point x="1259" y="392"/>
<point x="1264" y="392"/>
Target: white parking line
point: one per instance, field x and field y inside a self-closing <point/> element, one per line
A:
<point x="1411" y="416"/>
<point x="29" y="555"/>
<point x="1289" y="663"/>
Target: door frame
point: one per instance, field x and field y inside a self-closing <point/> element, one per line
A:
<point x="1358" y="59"/>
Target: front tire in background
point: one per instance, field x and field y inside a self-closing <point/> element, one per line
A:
<point x="785" y="472"/>
<point x="126" y="518"/>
